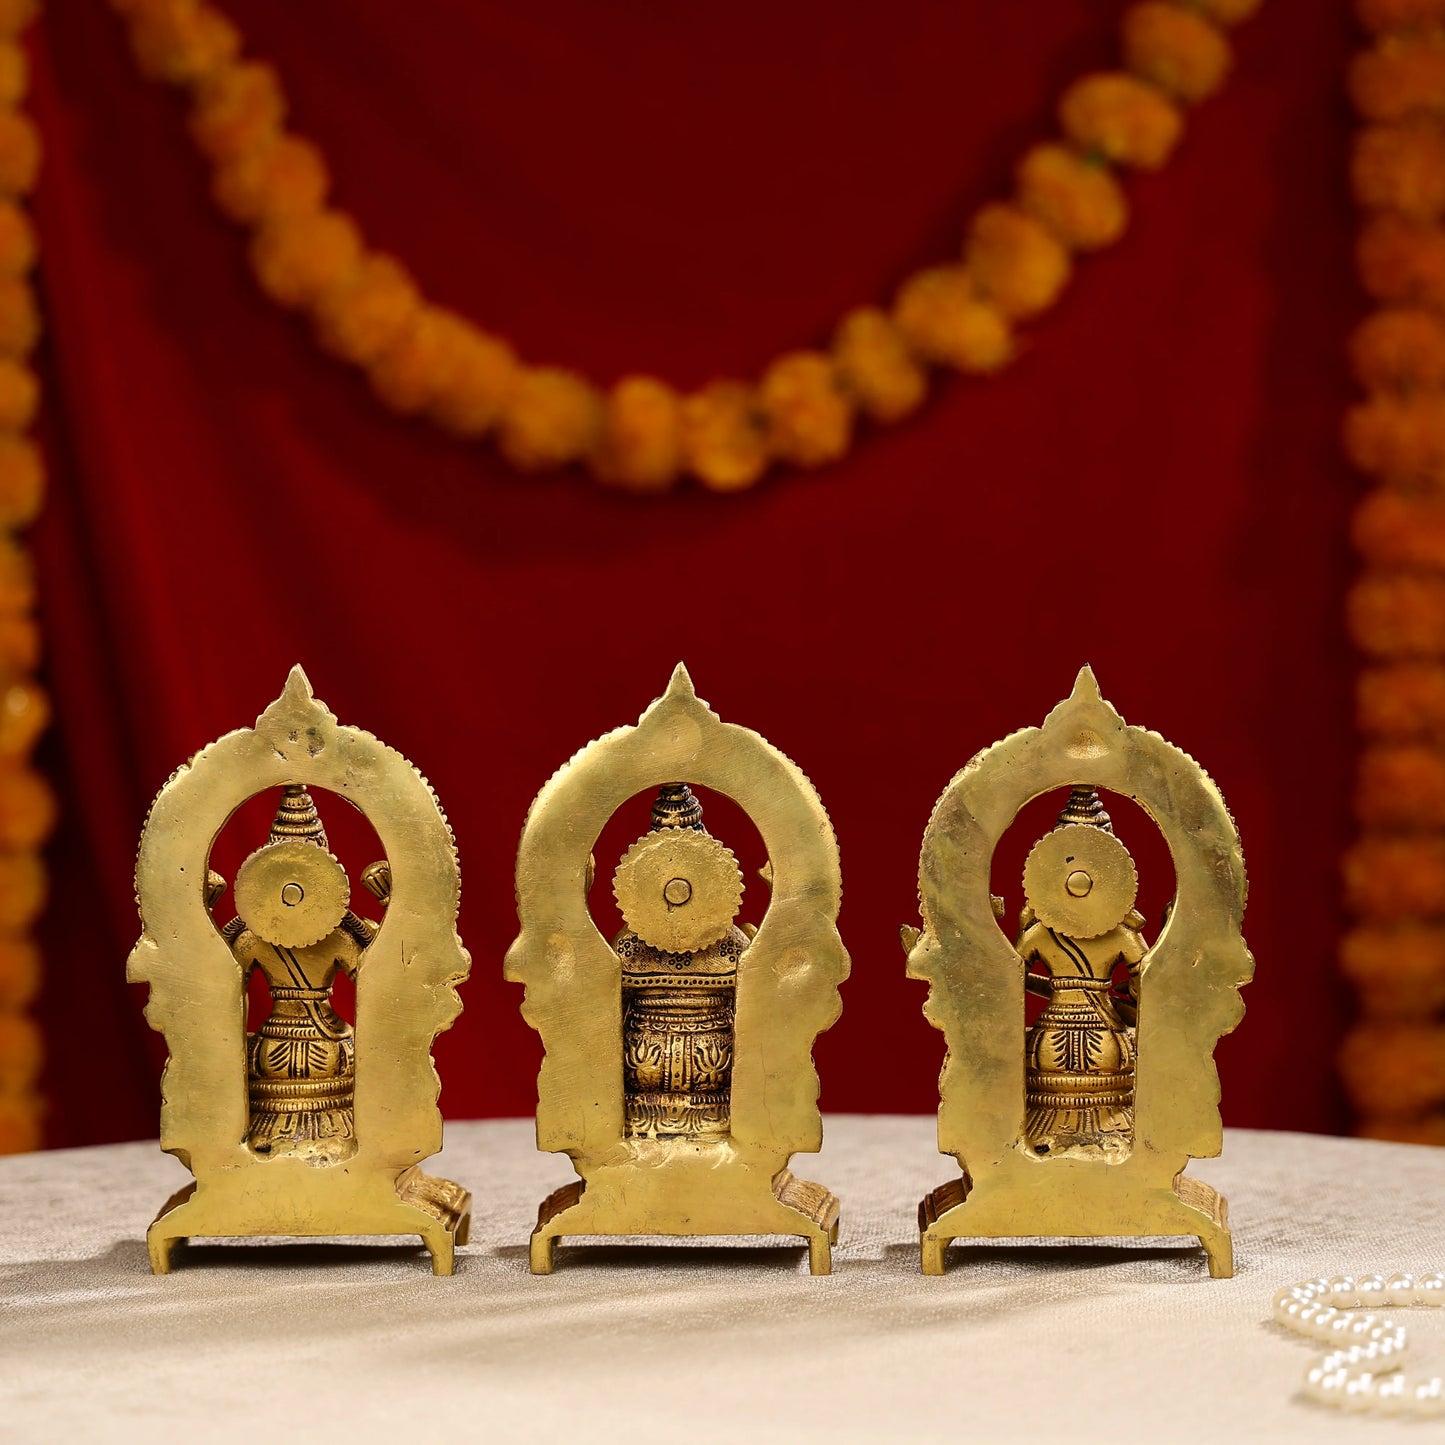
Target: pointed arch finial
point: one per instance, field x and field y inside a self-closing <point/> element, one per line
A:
<point x="680" y="684"/>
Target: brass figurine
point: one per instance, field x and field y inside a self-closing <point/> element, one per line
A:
<point x="307" y="1126"/>
<point x="678" y="1073"/>
<point x="1082" y="1124"/>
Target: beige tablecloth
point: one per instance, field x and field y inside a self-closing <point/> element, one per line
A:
<point x="683" y="1344"/>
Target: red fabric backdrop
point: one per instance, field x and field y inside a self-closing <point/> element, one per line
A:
<point x="1154" y="487"/>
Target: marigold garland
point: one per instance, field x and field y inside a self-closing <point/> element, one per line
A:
<point x="27" y="804"/>
<point x="641" y="436"/>
<point x="1393" y="1059"/>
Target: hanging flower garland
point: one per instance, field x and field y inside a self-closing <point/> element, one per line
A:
<point x="641" y="435"/>
<point x="1393" y="1060"/>
<point x="27" y="806"/>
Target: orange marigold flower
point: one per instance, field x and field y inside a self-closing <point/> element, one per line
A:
<point x="27" y="808"/>
<point x="1428" y="1130"/>
<point x="641" y="446"/>
<point x="1393" y="878"/>
<point x="19" y="973"/>
<point x="1401" y="787"/>
<point x="19" y="318"/>
<point x="1402" y="261"/>
<point x="1404" y="700"/>
<point x="809" y="416"/>
<point x="1397" y="616"/>
<point x="1401" y="440"/>
<point x="239" y="108"/>
<point x="17" y="241"/>
<point x="723" y="436"/>
<point x="24" y="715"/>
<point x="15" y="15"/>
<point x="182" y="42"/>
<point x="1394" y="1070"/>
<point x="17" y="579"/>
<point x="1401" y="168"/>
<point x="477" y="382"/>
<point x="19" y="395"/>
<point x="14" y="73"/>
<point x="1398" y="970"/>
<point x="1400" y="14"/>
<point x="298" y="257"/>
<point x="1400" y="530"/>
<point x="22" y="481"/>
<point x="1123" y="118"/>
<point x="1076" y="197"/>
<point x="1399" y="349"/>
<point x="19" y="153"/>
<point x="875" y="364"/>
<point x="281" y="179"/>
<point x="20" y="1053"/>
<point x="19" y="1123"/>
<point x="1403" y="74"/>
<point x="22" y="891"/>
<point x="1015" y="261"/>
<point x="1178" y="50"/>
<point x="943" y="318"/>
<point x="368" y="309"/>
<point x="551" y="417"/>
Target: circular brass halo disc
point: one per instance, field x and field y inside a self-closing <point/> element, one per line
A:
<point x="678" y="890"/>
<point x="292" y="894"/>
<point x="1056" y="893"/>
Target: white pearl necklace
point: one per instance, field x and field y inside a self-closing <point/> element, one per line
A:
<point x="1362" y="1369"/>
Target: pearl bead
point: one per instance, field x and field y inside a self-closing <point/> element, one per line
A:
<point x="1373" y="1291"/>
<point x="1360" y="1393"/>
<point x="1340" y="1327"/>
<point x="1401" y="1289"/>
<point x="1342" y="1292"/>
<point x="1430" y="1397"/>
<point x="1390" y="1395"/>
<point x="1361" y="1325"/>
<point x="1324" y="1317"/>
<point x="1430" y="1290"/>
<point x="1297" y="1292"/>
<point x="1331" y="1387"/>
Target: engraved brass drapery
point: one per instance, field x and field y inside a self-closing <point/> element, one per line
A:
<point x="405" y="996"/>
<point x="787" y="993"/>
<point x="1188" y="992"/>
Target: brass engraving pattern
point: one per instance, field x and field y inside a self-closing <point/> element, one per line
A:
<point x="347" y="1117"/>
<point x="1069" y="1080"/>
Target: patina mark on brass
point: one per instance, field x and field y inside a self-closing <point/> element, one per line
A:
<point x="1081" y="1125"/>
<point x="306" y="1127"/>
<point x="678" y="1073"/>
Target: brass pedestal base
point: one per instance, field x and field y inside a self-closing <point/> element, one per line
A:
<point x="960" y="1210"/>
<point x="436" y="1210"/>
<point x="791" y="1206"/>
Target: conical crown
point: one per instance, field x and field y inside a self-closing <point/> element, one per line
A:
<point x="297" y="818"/>
<point x="676" y="807"/>
<point x="1084" y="806"/>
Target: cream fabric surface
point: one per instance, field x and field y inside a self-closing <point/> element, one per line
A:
<point x="692" y="1343"/>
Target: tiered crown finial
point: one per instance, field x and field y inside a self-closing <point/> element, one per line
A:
<point x="677" y="807"/>
<point x="1085" y="806"/>
<point x="297" y="818"/>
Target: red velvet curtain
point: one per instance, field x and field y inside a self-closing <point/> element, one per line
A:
<point x="1154" y="487"/>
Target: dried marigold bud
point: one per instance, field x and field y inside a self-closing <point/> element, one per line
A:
<point x="284" y="178"/>
<point x="1397" y="616"/>
<point x="641" y="446"/>
<point x="1178" y="50"/>
<point x="22" y="486"/>
<point x="552" y="417"/>
<point x="21" y="1053"/>
<point x="19" y="317"/>
<point x="1380" y="15"/>
<point x="1123" y="118"/>
<point x="1402" y="260"/>
<point x="944" y="319"/>
<point x="22" y="892"/>
<point x="1393" y="1068"/>
<point x="1400" y="531"/>
<point x="476" y="385"/>
<point x="1400" y="787"/>
<point x="19" y="973"/>
<point x="1076" y="197"/>
<point x="182" y="41"/>
<point x="1398" y="970"/>
<point x="809" y="417"/>
<point x="874" y="363"/>
<point x="724" y="439"/>
<point x="1399" y="440"/>
<point x="27" y="808"/>
<point x="19" y="154"/>
<point x="366" y="310"/>
<point x="19" y="395"/>
<point x="1390" y="878"/>
<point x="1015" y="261"/>
<point x="1401" y="700"/>
<point x="1403" y="75"/>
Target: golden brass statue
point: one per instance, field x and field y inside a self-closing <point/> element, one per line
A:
<point x="678" y="1072"/>
<point x="1081" y="1124"/>
<point x="307" y="1126"/>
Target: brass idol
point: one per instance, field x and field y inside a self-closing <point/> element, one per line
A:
<point x="678" y="1072"/>
<point x="1082" y="1123"/>
<point x="306" y="1126"/>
